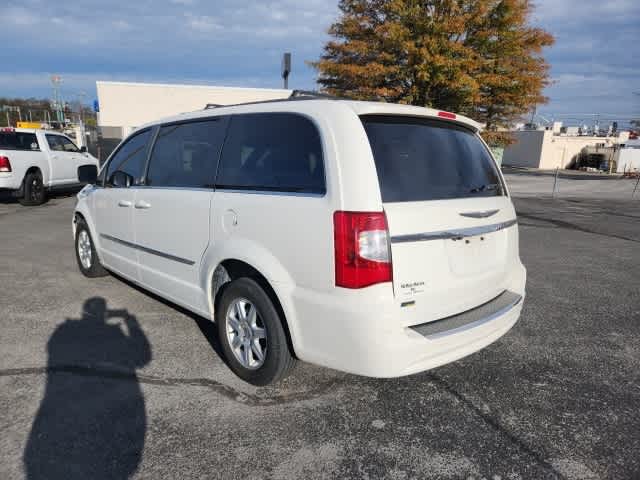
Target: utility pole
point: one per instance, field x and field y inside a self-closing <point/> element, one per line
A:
<point x="81" y="95"/>
<point x="286" y="69"/>
<point x="83" y="142"/>
<point x="56" y="81"/>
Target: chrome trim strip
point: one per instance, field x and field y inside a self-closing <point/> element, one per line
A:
<point x="453" y="234"/>
<point x="152" y="187"/>
<point x="224" y="190"/>
<point x="270" y="192"/>
<point x="148" y="250"/>
<point x="485" y="214"/>
<point x="464" y="321"/>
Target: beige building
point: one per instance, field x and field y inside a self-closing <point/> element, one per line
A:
<point x="545" y="149"/>
<point x="125" y="106"/>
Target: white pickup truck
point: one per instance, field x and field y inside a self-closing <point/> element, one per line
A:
<point x="33" y="162"/>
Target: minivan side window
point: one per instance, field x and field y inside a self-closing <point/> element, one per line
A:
<point x="130" y="158"/>
<point x="279" y="152"/>
<point x="186" y="154"/>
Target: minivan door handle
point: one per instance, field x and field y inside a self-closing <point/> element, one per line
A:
<point x="142" y="204"/>
<point x="124" y="203"/>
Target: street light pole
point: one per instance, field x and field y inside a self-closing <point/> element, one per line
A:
<point x="286" y="69"/>
<point x="81" y="95"/>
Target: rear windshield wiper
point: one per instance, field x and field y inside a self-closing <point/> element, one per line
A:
<point x="486" y="188"/>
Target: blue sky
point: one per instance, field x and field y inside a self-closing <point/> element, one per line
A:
<point x="595" y="62"/>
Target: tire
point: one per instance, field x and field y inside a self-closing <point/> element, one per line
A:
<point x="86" y="255"/>
<point x="237" y="332"/>
<point x="33" y="190"/>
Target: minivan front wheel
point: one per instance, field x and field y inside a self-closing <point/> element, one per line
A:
<point x="86" y="255"/>
<point x="251" y="333"/>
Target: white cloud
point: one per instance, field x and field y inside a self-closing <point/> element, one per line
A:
<point x="203" y="23"/>
<point x="244" y="39"/>
<point x="121" y="25"/>
<point x="572" y="11"/>
<point x="19" y="16"/>
<point x="278" y="15"/>
<point x="593" y="66"/>
<point x="39" y="85"/>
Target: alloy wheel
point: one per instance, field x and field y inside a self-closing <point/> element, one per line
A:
<point x="246" y="334"/>
<point x="84" y="249"/>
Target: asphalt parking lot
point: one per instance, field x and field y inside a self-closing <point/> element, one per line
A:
<point x="135" y="386"/>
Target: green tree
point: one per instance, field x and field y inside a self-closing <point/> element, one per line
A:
<point x="513" y="72"/>
<point x="476" y="57"/>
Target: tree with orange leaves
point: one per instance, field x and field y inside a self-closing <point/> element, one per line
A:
<point x="476" y="57"/>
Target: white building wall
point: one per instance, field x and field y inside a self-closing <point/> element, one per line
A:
<point x="127" y="105"/>
<point x="525" y="152"/>
<point x="628" y="160"/>
<point x="542" y="149"/>
<point x="561" y="151"/>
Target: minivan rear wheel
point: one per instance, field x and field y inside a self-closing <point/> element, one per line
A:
<point x="251" y="333"/>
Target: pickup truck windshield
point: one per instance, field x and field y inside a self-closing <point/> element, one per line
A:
<point x="421" y="159"/>
<point x="18" y="141"/>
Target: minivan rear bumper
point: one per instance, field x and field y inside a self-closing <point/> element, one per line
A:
<point x="472" y="318"/>
<point x="363" y="335"/>
<point x="448" y="346"/>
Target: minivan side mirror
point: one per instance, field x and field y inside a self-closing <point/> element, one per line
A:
<point x="83" y="149"/>
<point x="88" y="174"/>
<point x="120" y="179"/>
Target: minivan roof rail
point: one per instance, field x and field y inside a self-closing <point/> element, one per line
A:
<point x="304" y="94"/>
<point x="295" y="95"/>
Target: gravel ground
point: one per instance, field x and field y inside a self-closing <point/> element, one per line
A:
<point x="99" y="379"/>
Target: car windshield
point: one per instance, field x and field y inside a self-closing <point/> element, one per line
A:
<point x="422" y="159"/>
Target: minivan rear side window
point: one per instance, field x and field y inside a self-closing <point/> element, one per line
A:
<point x="186" y="154"/>
<point x="279" y="152"/>
<point x="421" y="159"/>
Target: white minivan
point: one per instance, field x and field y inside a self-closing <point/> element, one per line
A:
<point x="372" y="238"/>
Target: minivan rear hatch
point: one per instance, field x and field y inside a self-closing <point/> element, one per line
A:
<point x="451" y="223"/>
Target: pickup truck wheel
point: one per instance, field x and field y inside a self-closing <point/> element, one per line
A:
<point x="86" y="252"/>
<point x="251" y="334"/>
<point x="34" y="193"/>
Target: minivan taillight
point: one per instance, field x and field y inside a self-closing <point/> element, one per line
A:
<point x="362" y="250"/>
<point x="5" y="164"/>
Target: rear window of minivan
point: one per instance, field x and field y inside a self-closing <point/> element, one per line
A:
<point x="421" y="159"/>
